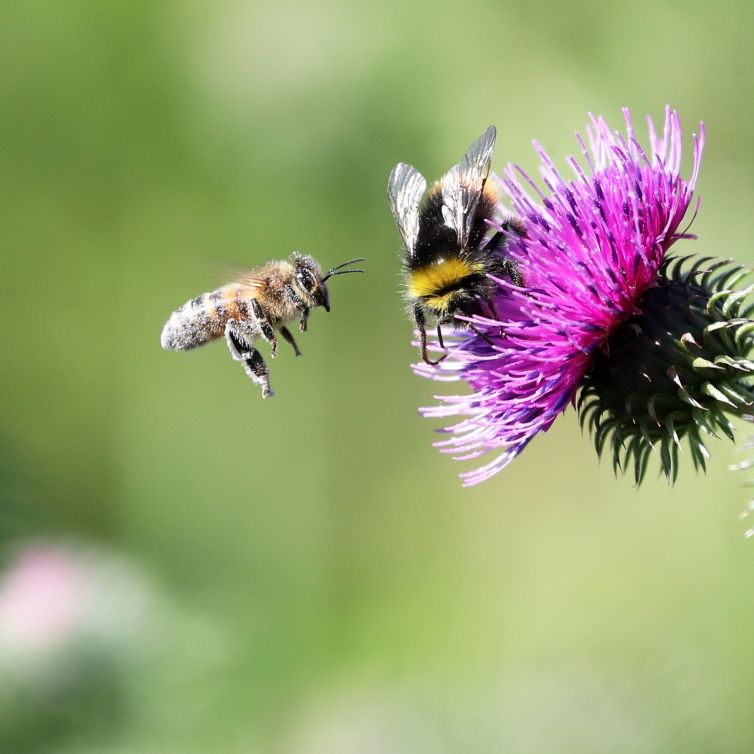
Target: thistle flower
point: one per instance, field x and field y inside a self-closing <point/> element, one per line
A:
<point x="658" y="347"/>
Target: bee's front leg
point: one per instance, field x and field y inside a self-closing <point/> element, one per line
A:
<point x="510" y="268"/>
<point x="302" y="308"/>
<point x="265" y="327"/>
<point x="304" y="319"/>
<point x="242" y="350"/>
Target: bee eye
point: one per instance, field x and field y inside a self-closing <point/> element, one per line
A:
<point x="307" y="281"/>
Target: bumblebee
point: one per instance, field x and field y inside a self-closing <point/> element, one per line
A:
<point x="449" y="251"/>
<point x="263" y="300"/>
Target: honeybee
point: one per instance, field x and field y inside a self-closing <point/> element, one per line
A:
<point x="446" y="260"/>
<point x="263" y="300"/>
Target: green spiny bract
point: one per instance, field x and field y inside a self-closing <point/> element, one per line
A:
<point x="678" y="368"/>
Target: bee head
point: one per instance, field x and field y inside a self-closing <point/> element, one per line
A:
<point x="310" y="279"/>
<point x="308" y="275"/>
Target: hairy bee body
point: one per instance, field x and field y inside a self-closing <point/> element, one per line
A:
<point x="450" y="249"/>
<point x="205" y="317"/>
<point x="261" y="303"/>
<point x="443" y="275"/>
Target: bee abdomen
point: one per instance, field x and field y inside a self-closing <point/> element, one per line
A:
<point x="198" y="321"/>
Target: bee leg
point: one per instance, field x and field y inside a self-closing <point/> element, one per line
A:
<point x="481" y="335"/>
<point x="300" y="305"/>
<point x="304" y="320"/>
<point x="512" y="225"/>
<point x="253" y="363"/>
<point x="265" y="327"/>
<point x="493" y="242"/>
<point x="491" y="306"/>
<point x="237" y="340"/>
<point x="507" y="265"/>
<point x="493" y="312"/>
<point x="511" y="269"/>
<point x="517" y="226"/>
<point x="255" y="367"/>
<point x="421" y="325"/>
<point x="439" y="336"/>
<point x="286" y="333"/>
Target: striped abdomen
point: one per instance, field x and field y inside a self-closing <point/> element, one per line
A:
<point x="204" y="318"/>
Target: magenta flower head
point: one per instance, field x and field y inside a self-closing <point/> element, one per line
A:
<point x="657" y="347"/>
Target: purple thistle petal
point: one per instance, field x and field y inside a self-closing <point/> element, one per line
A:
<point x="593" y="246"/>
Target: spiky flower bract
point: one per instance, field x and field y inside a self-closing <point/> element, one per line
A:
<point x="595" y="244"/>
<point x="678" y="368"/>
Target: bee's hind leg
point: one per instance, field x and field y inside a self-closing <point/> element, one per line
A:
<point x="242" y="350"/>
<point x="255" y="367"/>
<point x="236" y="338"/>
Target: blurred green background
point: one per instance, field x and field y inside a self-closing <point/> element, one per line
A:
<point x="305" y="575"/>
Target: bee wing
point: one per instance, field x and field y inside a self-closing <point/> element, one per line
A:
<point x="252" y="282"/>
<point x="405" y="189"/>
<point x="462" y="185"/>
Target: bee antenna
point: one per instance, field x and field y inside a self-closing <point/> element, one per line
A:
<point x="343" y="264"/>
<point x="338" y="271"/>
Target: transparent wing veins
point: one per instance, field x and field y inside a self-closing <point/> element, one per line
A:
<point x="405" y="189"/>
<point x="252" y="281"/>
<point x="462" y="185"/>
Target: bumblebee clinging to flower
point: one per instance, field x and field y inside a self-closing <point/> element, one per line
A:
<point x="264" y="300"/>
<point x="447" y="260"/>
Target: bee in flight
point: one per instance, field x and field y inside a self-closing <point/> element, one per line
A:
<point x="446" y="258"/>
<point x="264" y="300"/>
